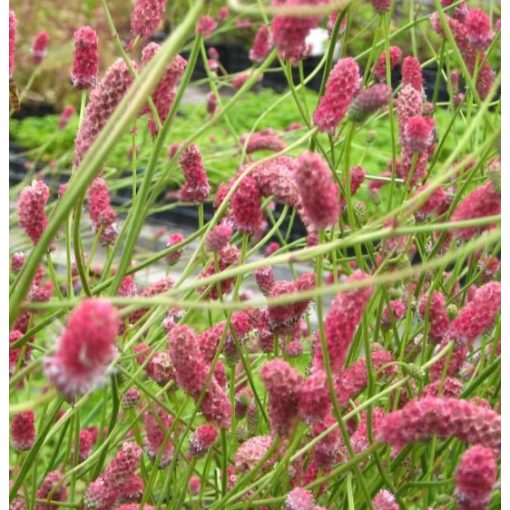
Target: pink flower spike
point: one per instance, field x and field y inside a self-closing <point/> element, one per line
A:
<point x="476" y="477"/>
<point x="299" y="499"/>
<point x="85" y="348"/>
<point x="85" y="59"/>
<point x="12" y="43"/>
<point x="66" y="116"/>
<point x="369" y="101"/>
<point x="433" y="309"/>
<point x="218" y="237"/>
<point x="40" y="47"/>
<point x="478" y="28"/>
<point x="246" y="206"/>
<point x="318" y="191"/>
<point x="380" y="66"/>
<point x="146" y="16"/>
<point x="411" y="74"/>
<point x="31" y="203"/>
<point x="261" y="44"/>
<point x="314" y="398"/>
<point x="381" y="6"/>
<point x="175" y="256"/>
<point x="17" y="261"/>
<point x="158" y="443"/>
<point x="23" y="430"/>
<point x="202" y="440"/>
<point x="223" y="13"/>
<point x="103" y="216"/>
<point x="196" y="188"/>
<point x="52" y="489"/>
<point x="265" y="279"/>
<point x="206" y="26"/>
<point x="385" y="500"/>
<point x="418" y="134"/>
<point x="341" y="88"/>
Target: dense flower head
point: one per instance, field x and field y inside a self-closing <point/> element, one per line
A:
<point x="385" y="500"/>
<point x="123" y="465"/>
<point x="368" y="101"/>
<point x="437" y="202"/>
<point x="444" y="417"/>
<point x="103" y="216"/>
<point x="246" y="206"/>
<point x="132" y="490"/>
<point x="318" y="191"/>
<point x="408" y="104"/>
<point x="103" y="100"/>
<point x="265" y="279"/>
<point x="329" y="450"/>
<point x="127" y="287"/>
<point x="433" y="308"/>
<point x="227" y="256"/>
<point x="478" y="28"/>
<point x="17" y="261"/>
<point x="87" y="439"/>
<point x="380" y="66"/>
<point x="158" y="441"/>
<point x="146" y="16"/>
<point x="12" y="42"/>
<point x="360" y="438"/>
<point x="342" y="322"/>
<point x="341" y="88"/>
<point x="23" y="430"/>
<point x="476" y="476"/>
<point x="131" y="398"/>
<point x="282" y="383"/>
<point x="418" y="134"/>
<point x="31" y="203"/>
<point x="299" y="499"/>
<point x="411" y="73"/>
<point x="483" y="201"/>
<point x="85" y="59"/>
<point x="478" y="315"/>
<point x="314" y="398"/>
<point x="202" y="440"/>
<point x="40" y="47"/>
<point x="65" y="116"/>
<point x="450" y="387"/>
<point x="394" y="312"/>
<point x="267" y="139"/>
<point x="450" y="364"/>
<point x="85" y="348"/>
<point x="196" y="187"/>
<point x="251" y="452"/>
<point x="52" y="488"/>
<point x="381" y="6"/>
<point x="206" y="25"/>
<point x="175" y="256"/>
<point x="261" y="44"/>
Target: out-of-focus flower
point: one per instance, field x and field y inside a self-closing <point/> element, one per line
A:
<point x="246" y="206"/>
<point x="385" y="500"/>
<point x="202" y="440"/>
<point x="206" y="26"/>
<point x="380" y="66"/>
<point x="369" y="101"/>
<point x="299" y="499"/>
<point x="65" y="116"/>
<point x="103" y="216"/>
<point x="411" y="74"/>
<point x="478" y="28"/>
<point x="175" y="256"/>
<point x="261" y="44"/>
<point x="52" y="488"/>
<point x="381" y="6"/>
<point x="40" y="47"/>
<point x="23" y="430"/>
<point x="196" y="188"/>
<point x="158" y="442"/>
<point x="146" y="16"/>
<point x="31" y="203"/>
<point x="218" y="237"/>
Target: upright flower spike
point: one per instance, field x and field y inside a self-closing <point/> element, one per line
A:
<point x="418" y="134"/>
<point x="385" y="500"/>
<point x="476" y="477"/>
<point x="23" y="430"/>
<point x="157" y="442"/>
<point x="318" y="191"/>
<point x="40" y="47"/>
<point x="478" y="28"/>
<point x="85" y="348"/>
<point x="380" y="66"/>
<point x="246" y="206"/>
<point x="206" y="25"/>
<point x="342" y="322"/>
<point x="409" y="104"/>
<point x="411" y="74"/>
<point x="196" y="187"/>
<point x="31" y="203"/>
<point x="261" y="44"/>
<point x="299" y="499"/>
<point x="282" y="383"/>
<point x="202" y="440"/>
<point x="146" y="16"/>
<point x="52" y="488"/>
<point x="12" y="42"/>
<point x="433" y="309"/>
<point x="341" y="88"/>
<point x="103" y="101"/>
<point x="103" y="216"/>
<point x="419" y="420"/>
<point x="478" y="315"/>
<point x="85" y="59"/>
<point x="218" y="237"/>
<point x="314" y="398"/>
<point x="175" y="256"/>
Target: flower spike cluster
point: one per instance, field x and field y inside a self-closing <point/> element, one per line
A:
<point x="85" y="59"/>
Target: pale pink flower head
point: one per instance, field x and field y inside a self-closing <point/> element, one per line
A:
<point x="418" y="134"/>
<point x="369" y="101"/>
<point x="314" y="398"/>
<point x="476" y="476"/>
<point x="127" y="287"/>
<point x="194" y="485"/>
<point x="251" y="452"/>
<point x="158" y="442"/>
<point x="299" y="499"/>
<point x="196" y="187"/>
<point x="12" y="42"/>
<point x="318" y="191"/>
<point x="17" y="261"/>
<point x="478" y="28"/>
<point x="175" y="256"/>
<point x="202" y="440"/>
<point x="65" y="116"/>
<point x="23" y="430"/>
<point x="52" y="489"/>
<point x="146" y="16"/>
<point x="103" y="217"/>
<point x="206" y="26"/>
<point x="261" y="44"/>
<point x="122" y="467"/>
<point x="85" y="59"/>
<point x="218" y="237"/>
<point x="342" y="87"/>
<point x="385" y="500"/>
<point x="223" y="13"/>
<point x="411" y="73"/>
<point x="31" y="203"/>
<point x="433" y="309"/>
<point x="40" y="47"/>
<point x="381" y="6"/>
<point x="85" y="348"/>
<point x="380" y="66"/>
<point x="86" y="442"/>
<point x="246" y="206"/>
<point x="282" y="383"/>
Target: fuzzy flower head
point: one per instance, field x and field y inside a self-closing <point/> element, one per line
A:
<point x="411" y="73"/>
<point x="12" y="42"/>
<point x="314" y="398"/>
<point x="40" y="47"/>
<point x="419" y="134"/>
<point x="196" y="187"/>
<point x="385" y="500"/>
<point x="476" y="476"/>
<point x="131" y="398"/>
<point x="23" y="430"/>
<point x="206" y="26"/>
<point x="146" y="16"/>
<point x="478" y="27"/>
<point x="369" y="101"/>
<point x="103" y="216"/>
<point x="246" y="206"/>
<point x="31" y="203"/>
<point x="318" y="191"/>
<point x="251" y="452"/>
<point x="282" y="383"/>
<point x="17" y="261"/>
<point x="85" y="59"/>
<point x="380" y="66"/>
<point x="85" y="348"/>
<point x="158" y="443"/>
<point x="299" y="499"/>
<point x="341" y="88"/>
<point x="218" y="237"/>
<point x="65" y="116"/>
<point x="265" y="279"/>
<point x="261" y="44"/>
<point x="53" y="489"/>
<point x="203" y="440"/>
<point x="433" y="309"/>
<point x="175" y="256"/>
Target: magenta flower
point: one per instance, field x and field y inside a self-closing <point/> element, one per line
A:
<point x="146" y="16"/>
<point x="23" y="430"/>
<point x="449" y="364"/>
<point x="206" y="26"/>
<point x="476" y="476"/>
<point x="218" y="237"/>
<point x="85" y="59"/>
<point x="342" y="322"/>
<point x="478" y="29"/>
<point x="12" y="42"/>
<point x="85" y="348"/>
<point x="227" y="256"/>
<point x="433" y="309"/>
<point x="450" y="387"/>
<point x="385" y="500"/>
<point x="265" y="140"/>
<point x="157" y="441"/>
<point x="87" y="439"/>
<point x="394" y="312"/>
<point x="251" y="452"/>
<point x="369" y="101"/>
<point x="418" y="134"/>
<point x="411" y="74"/>
<point x="132" y="490"/>
<point x="223" y="13"/>
<point x="265" y="279"/>
<point x="40" y="47"/>
<point x="408" y="104"/>
<point x="261" y="44"/>
<point x="31" y="203"/>
<point x="175" y="256"/>
<point x="65" y="116"/>
<point x="341" y="88"/>
<point x="130" y="398"/>
<point x="381" y="6"/>
<point x="196" y="188"/>
<point x="314" y="398"/>
<point x="419" y="420"/>
<point x="202" y="440"/>
<point x="299" y="499"/>
<point x="103" y="101"/>
<point x="246" y="206"/>
<point x="380" y="66"/>
<point x="53" y="489"/>
<point x="103" y="216"/>
<point x="318" y="191"/>
<point x="282" y="383"/>
<point x="127" y="287"/>
<point x="328" y="451"/>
